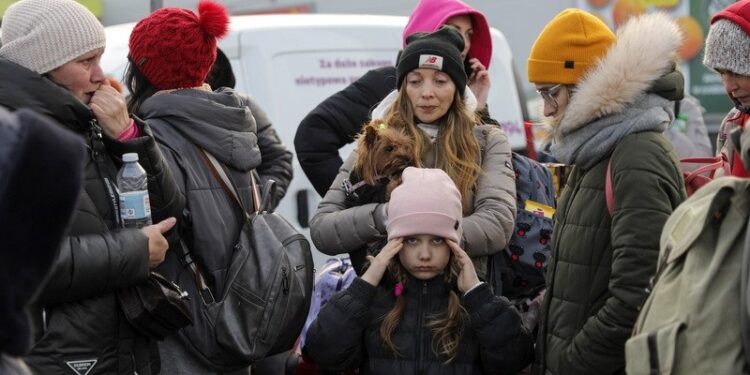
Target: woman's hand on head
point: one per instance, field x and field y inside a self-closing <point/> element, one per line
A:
<point x="110" y="109"/>
<point x="479" y="82"/>
<point x="379" y="264"/>
<point x="467" y="276"/>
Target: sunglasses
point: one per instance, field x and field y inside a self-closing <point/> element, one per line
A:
<point x="548" y="94"/>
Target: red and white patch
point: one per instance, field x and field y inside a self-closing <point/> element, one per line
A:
<point x="431" y="61"/>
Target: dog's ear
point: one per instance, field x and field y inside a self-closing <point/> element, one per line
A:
<point x="371" y="134"/>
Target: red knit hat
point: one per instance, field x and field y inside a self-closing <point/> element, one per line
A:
<point x="175" y="48"/>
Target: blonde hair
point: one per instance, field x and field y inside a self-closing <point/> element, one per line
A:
<point x="446" y="327"/>
<point x="456" y="147"/>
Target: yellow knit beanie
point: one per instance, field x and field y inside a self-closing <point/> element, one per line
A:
<point x="568" y="46"/>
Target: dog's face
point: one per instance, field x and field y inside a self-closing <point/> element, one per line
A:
<point x="382" y="152"/>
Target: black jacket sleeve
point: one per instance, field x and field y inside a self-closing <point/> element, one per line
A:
<point x="335" y="339"/>
<point x="95" y="264"/>
<point x="277" y="159"/>
<point x="335" y="122"/>
<point x="166" y="200"/>
<point x="506" y="346"/>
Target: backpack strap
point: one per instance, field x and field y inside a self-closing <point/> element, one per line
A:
<point x="226" y="183"/>
<point x="608" y="193"/>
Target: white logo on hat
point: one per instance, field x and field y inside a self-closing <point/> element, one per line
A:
<point x="431" y="61"/>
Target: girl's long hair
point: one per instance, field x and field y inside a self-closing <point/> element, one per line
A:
<point x="446" y="326"/>
<point x="139" y="86"/>
<point x="456" y="147"/>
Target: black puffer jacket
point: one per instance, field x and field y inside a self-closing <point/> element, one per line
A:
<point x="83" y="325"/>
<point x="346" y="334"/>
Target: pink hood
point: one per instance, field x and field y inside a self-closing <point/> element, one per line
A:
<point x="429" y="15"/>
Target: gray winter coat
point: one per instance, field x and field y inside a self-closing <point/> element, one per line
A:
<point x="336" y="229"/>
<point x="220" y="123"/>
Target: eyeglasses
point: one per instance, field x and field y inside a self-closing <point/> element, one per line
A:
<point x="548" y="94"/>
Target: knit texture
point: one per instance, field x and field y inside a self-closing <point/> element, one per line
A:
<point x="175" y="48"/>
<point x="426" y="202"/>
<point x="42" y="35"/>
<point x="728" y="43"/>
<point x="568" y="47"/>
<point x="429" y="15"/>
<point x="440" y="50"/>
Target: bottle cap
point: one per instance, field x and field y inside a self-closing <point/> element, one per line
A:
<point x="130" y="157"/>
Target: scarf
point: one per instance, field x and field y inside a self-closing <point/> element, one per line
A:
<point x="589" y="144"/>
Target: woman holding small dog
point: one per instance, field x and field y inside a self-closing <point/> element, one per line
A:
<point x="433" y="106"/>
<point x="420" y="306"/>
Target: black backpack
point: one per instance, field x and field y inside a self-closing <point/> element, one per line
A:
<point x="266" y="294"/>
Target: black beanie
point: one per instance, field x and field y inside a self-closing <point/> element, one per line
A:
<point x="440" y="50"/>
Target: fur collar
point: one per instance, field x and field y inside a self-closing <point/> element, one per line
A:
<point x="645" y="50"/>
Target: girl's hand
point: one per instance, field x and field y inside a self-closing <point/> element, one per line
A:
<point x="479" y="82"/>
<point x="380" y="263"/>
<point x="467" y="278"/>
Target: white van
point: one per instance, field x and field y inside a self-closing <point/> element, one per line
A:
<point x="290" y="63"/>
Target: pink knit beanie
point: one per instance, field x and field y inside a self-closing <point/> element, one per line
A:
<point x="426" y="202"/>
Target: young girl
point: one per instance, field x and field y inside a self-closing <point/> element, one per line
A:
<point x="434" y="107"/>
<point x="420" y="307"/>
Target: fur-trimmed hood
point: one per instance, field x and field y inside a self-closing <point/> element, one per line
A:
<point x="645" y="50"/>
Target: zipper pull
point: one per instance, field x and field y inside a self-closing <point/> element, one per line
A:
<point x="96" y="129"/>
<point x="284" y="281"/>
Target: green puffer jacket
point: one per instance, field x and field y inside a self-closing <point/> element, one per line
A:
<point x="601" y="263"/>
<point x="601" y="266"/>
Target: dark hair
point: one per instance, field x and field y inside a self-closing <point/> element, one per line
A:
<point x="221" y="74"/>
<point x="139" y="86"/>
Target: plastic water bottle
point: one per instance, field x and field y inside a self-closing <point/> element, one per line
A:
<point x="132" y="182"/>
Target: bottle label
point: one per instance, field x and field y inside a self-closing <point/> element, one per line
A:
<point x="135" y="205"/>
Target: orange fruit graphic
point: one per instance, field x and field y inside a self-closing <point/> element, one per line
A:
<point x="625" y="9"/>
<point x="693" y="37"/>
<point x="598" y="3"/>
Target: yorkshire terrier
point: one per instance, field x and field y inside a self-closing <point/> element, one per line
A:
<point x="383" y="152"/>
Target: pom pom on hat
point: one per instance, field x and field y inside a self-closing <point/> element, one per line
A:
<point x="213" y="19"/>
<point x="175" y="48"/>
